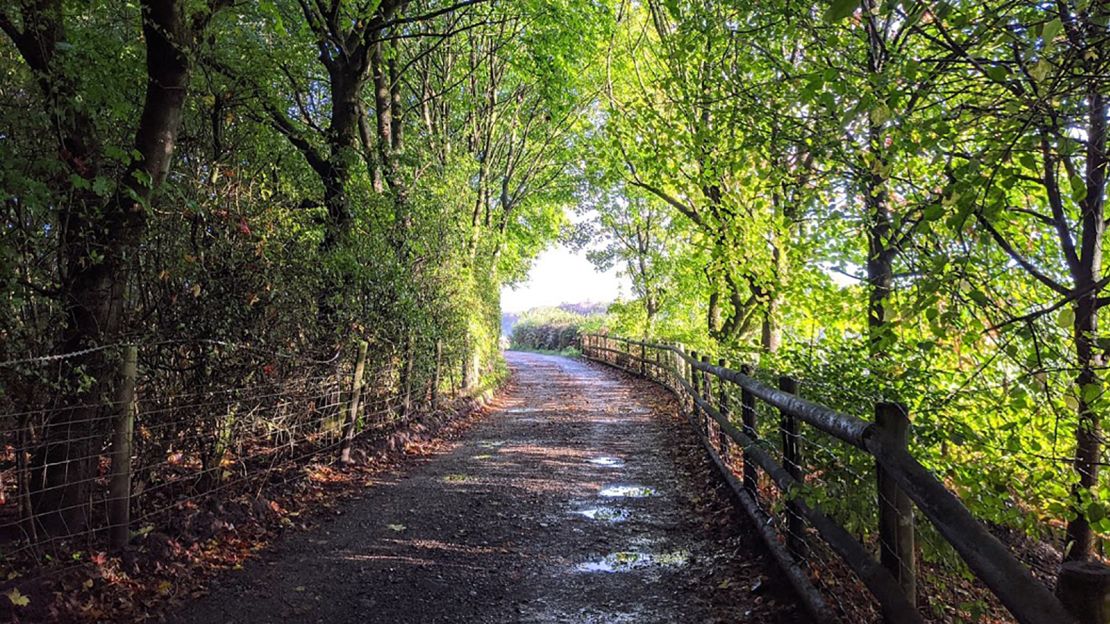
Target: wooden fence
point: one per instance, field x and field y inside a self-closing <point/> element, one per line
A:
<point x="704" y="389"/>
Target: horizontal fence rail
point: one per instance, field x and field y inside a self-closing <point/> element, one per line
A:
<point x="704" y="391"/>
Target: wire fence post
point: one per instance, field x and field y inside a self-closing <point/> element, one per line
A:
<point x="792" y="461"/>
<point x="437" y="376"/>
<point x="356" y="397"/>
<point x="722" y="406"/>
<point x="748" y="417"/>
<point x="119" y="501"/>
<point x="896" y="530"/>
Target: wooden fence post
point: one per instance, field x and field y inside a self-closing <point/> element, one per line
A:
<point x="706" y="395"/>
<point x="680" y="376"/>
<point x="748" y="416"/>
<point x="643" y="359"/>
<point x="356" y="397"/>
<point x="722" y="406"/>
<point x="1084" y="589"/>
<point x="792" y="461"/>
<point x="658" y="356"/>
<point x="693" y="375"/>
<point x="896" y="530"/>
<point x="119" y="501"/>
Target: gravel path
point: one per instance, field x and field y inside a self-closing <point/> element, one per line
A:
<point x="580" y="499"/>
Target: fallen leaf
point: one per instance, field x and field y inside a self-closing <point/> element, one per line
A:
<point x="17" y="598"/>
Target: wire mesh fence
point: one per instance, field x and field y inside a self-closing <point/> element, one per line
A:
<point x="176" y="429"/>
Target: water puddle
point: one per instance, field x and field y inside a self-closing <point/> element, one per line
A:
<point x="627" y="491"/>
<point x="483" y="457"/>
<point x="456" y="478"/>
<point x="604" y="514"/>
<point x="629" y="560"/>
<point x="608" y="462"/>
<point x="491" y="444"/>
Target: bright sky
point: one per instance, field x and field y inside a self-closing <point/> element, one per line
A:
<point x="563" y="276"/>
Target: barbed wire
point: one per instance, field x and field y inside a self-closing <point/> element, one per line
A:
<point x="42" y="359"/>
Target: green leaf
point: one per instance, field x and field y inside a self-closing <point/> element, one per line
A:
<point x="932" y="213"/>
<point x="1065" y="319"/>
<point x="1050" y="30"/>
<point x="1095" y="511"/>
<point x="1078" y="188"/>
<point x="840" y="9"/>
<point x="879" y="114"/>
<point x="1040" y="71"/>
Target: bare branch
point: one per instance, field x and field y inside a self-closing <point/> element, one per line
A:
<point x="1016" y="257"/>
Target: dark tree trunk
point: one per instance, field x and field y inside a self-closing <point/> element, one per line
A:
<point x="1087" y="355"/>
<point x="1088" y="429"/>
<point x="98" y="245"/>
<point x="880" y="248"/>
<point x="343" y="138"/>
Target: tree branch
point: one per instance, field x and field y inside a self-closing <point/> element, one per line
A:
<point x="1016" y="257"/>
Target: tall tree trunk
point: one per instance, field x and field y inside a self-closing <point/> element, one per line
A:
<point x="880" y="252"/>
<point x="342" y="137"/>
<point x="1080" y="539"/>
<point x="1088" y="357"/>
<point x="99" y="246"/>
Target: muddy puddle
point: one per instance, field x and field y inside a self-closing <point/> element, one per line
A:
<point x="607" y="462"/>
<point x="627" y="491"/>
<point x="630" y="560"/>
<point x="604" y="514"/>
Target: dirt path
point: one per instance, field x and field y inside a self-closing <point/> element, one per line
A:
<point x="576" y="501"/>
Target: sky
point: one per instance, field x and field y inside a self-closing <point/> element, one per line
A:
<point x="560" y="275"/>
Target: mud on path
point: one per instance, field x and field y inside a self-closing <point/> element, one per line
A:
<point x="583" y="498"/>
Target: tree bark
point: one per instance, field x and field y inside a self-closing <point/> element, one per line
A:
<point x="880" y="250"/>
<point x="98" y="246"/>
<point x="1080" y="538"/>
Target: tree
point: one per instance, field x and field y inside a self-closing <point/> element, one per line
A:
<point x="104" y="219"/>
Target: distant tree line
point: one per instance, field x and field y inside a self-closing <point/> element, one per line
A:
<point x="554" y="329"/>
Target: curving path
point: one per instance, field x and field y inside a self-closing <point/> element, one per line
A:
<point x="580" y="499"/>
